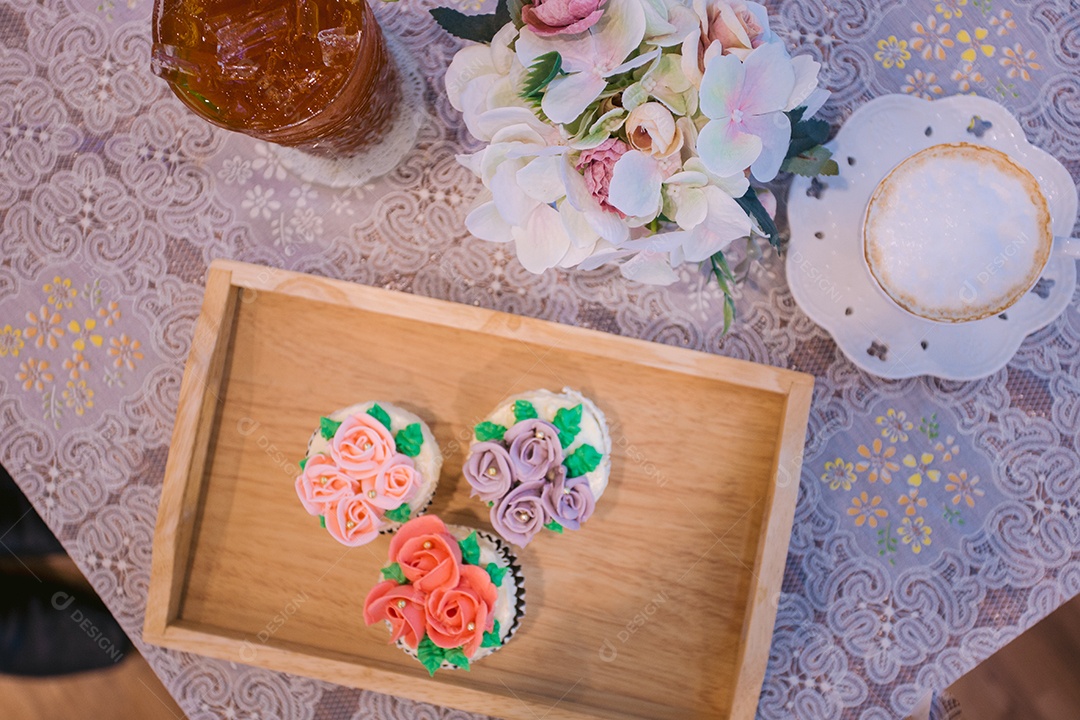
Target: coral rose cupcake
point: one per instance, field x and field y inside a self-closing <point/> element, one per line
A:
<point x="541" y="460"/>
<point x="450" y="595"/>
<point x="368" y="469"/>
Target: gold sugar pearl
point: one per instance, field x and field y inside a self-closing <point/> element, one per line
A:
<point x="427" y="544"/>
<point x="323" y="480"/>
<point x="350" y="525"/>
<point x="470" y="627"/>
<point x="566" y="491"/>
<point x="367" y="446"/>
<point x="540" y="434"/>
<point x="401" y="604"/>
<point x="522" y="515"/>
<point x="371" y="493"/>
<point x="492" y="471"/>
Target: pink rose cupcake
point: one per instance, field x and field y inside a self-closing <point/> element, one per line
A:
<point x="541" y="460"/>
<point x="450" y="595"/>
<point x="369" y="468"/>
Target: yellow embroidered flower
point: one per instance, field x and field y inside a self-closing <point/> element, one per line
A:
<point x="61" y="294"/>
<point x="894" y="425"/>
<point x="11" y="341"/>
<point x="34" y="374"/>
<point x="44" y="326"/>
<point x="965" y="76"/>
<point x="965" y="38"/>
<point x="877" y="462"/>
<point x="83" y="333"/>
<point x="1003" y="22"/>
<point x="964" y="488"/>
<point x="75" y="365"/>
<point x="950" y="9"/>
<point x="912" y="502"/>
<point x="1019" y="62"/>
<point x="865" y="510"/>
<point x="838" y="474"/>
<point x="932" y="40"/>
<point x="914" y="532"/>
<point x="922" y="85"/>
<point x="921" y="465"/>
<point x="109" y="313"/>
<point x="892" y="52"/>
<point x="126" y="351"/>
<point x="79" y="396"/>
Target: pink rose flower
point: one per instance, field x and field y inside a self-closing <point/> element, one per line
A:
<point x="352" y="521"/>
<point x="459" y="616"/>
<point x="428" y="554"/>
<point x="396" y="483"/>
<point x="561" y="17"/>
<point x="362" y="445"/>
<point x="400" y="605"/>
<point x="597" y="165"/>
<point x="322" y="483"/>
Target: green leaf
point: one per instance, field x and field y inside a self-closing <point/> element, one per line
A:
<point x="496" y="573"/>
<point x="523" y="410"/>
<point x="458" y="657"/>
<point x="546" y="68"/>
<point x="394" y="572"/>
<point x="409" y="440"/>
<point x="725" y="279"/>
<point x="303" y="463"/>
<point x="489" y="431"/>
<point x="811" y="163"/>
<point x="399" y="514"/>
<point x="328" y="427"/>
<point x="554" y="527"/>
<point x="470" y="549"/>
<point x="478" y="28"/>
<point x="583" y="460"/>
<point x="568" y="423"/>
<point x="379" y="414"/>
<point x="752" y="206"/>
<point x="431" y="656"/>
<point x="492" y="639"/>
<point x="322" y="521"/>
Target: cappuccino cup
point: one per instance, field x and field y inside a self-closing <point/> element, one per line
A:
<point x="958" y="232"/>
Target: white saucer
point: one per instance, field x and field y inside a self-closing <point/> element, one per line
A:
<point x="832" y="284"/>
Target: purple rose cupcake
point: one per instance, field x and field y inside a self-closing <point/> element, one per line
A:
<point x="540" y="461"/>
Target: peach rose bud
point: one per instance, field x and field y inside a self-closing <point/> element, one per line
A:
<point x="651" y="129"/>
<point x="429" y="556"/>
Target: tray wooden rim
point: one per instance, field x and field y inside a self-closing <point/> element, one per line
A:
<point x="229" y="282"/>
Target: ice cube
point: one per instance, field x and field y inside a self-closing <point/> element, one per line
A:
<point x="248" y="36"/>
<point x="338" y="45"/>
<point x="168" y="61"/>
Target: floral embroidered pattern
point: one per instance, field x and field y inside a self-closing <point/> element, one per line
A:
<point x="877" y="461"/>
<point x="931" y="39"/>
<point x="892" y="53"/>
<point x="922" y="85"/>
<point x="838" y="474"/>
<point x="867" y="510"/>
<point x="894" y="425"/>
<point x="915" y="533"/>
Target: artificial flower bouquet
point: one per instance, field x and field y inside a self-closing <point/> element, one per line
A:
<point x="628" y="131"/>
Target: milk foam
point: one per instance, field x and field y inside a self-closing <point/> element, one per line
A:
<point x="955" y="229"/>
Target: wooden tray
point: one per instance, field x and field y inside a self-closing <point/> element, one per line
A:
<point x="662" y="606"/>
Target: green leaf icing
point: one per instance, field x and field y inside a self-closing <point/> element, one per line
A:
<point x="328" y="427"/>
<point x="523" y="410"/>
<point x="409" y="440"/>
<point x="431" y="656"/>
<point x="478" y="28"/>
<point x="458" y="657"/>
<point x="489" y="431"/>
<point x="496" y="573"/>
<point x="303" y="463"/>
<point x="492" y="639"/>
<point x="554" y="526"/>
<point x="322" y="521"/>
<point x="812" y="162"/>
<point x="568" y="422"/>
<point x="379" y="414"/>
<point x="399" y="514"/>
<point x="544" y="69"/>
<point x="394" y="572"/>
<point x="470" y="549"/>
<point x="583" y="460"/>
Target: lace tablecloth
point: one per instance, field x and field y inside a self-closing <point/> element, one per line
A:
<point x="936" y="520"/>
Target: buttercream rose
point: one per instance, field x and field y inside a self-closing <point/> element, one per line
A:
<point x="322" y="483"/>
<point x="651" y="128"/>
<point x="568" y="501"/>
<point x="459" y="616"/>
<point x="429" y="556"/>
<point x="735" y="26"/>
<point x="352" y="521"/>
<point x="362" y="445"/>
<point x="597" y="165"/>
<point x="534" y="448"/>
<point x="520" y="515"/>
<point x="402" y="606"/>
<point x="489" y="471"/>
<point x="396" y="482"/>
<point x="561" y="17"/>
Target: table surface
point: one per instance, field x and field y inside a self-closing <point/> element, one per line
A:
<point x="936" y="520"/>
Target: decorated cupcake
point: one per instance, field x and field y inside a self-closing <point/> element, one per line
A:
<point x="540" y="461"/>
<point x="368" y="469"/>
<point x="450" y="595"/>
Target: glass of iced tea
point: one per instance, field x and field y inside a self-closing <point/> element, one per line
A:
<point x="311" y="74"/>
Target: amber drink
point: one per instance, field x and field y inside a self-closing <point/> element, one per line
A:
<point x="311" y="74"/>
